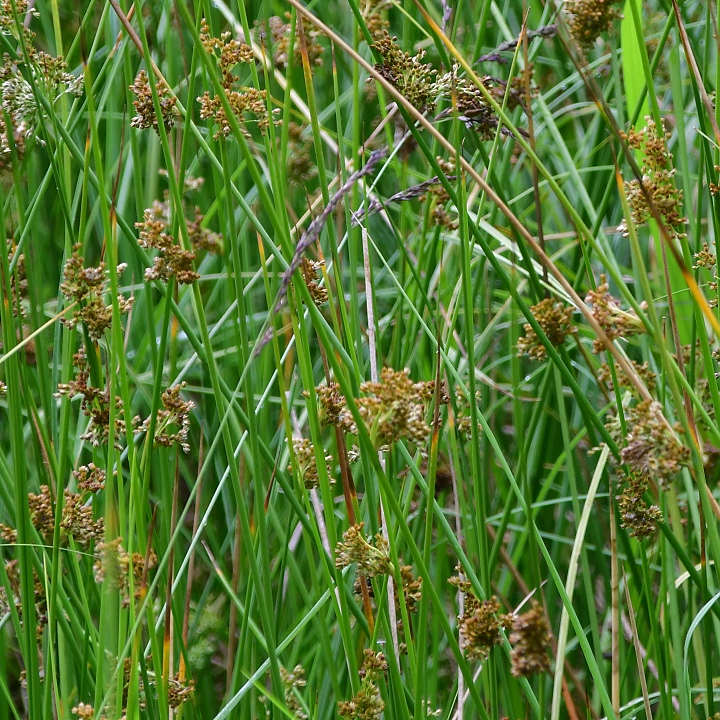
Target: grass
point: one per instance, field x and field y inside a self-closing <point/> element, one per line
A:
<point x="350" y="374"/>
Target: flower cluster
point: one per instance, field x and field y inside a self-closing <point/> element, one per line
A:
<point x="555" y="320"/>
<point x="300" y="167"/>
<point x="84" y="711"/>
<point x="372" y="560"/>
<point x="635" y="514"/>
<point x="304" y="452"/>
<point x="89" y="478"/>
<point x="530" y="638"/>
<point x="480" y="626"/>
<point x="114" y="563"/>
<point x="463" y="420"/>
<point x="331" y="403"/>
<point x="616" y="322"/>
<point x="229" y="53"/>
<point x="145" y="115"/>
<point x="88" y="287"/>
<point x="172" y="420"/>
<point x="294" y="681"/>
<point x="439" y="197"/>
<point x="707" y="259"/>
<point x="18" y="280"/>
<point x="590" y="18"/>
<point x="658" y="181"/>
<point x="481" y="621"/>
<point x="172" y="260"/>
<point x="643" y="371"/>
<point x="179" y="691"/>
<point x="367" y="703"/>
<point x="412" y="588"/>
<point x="280" y="36"/>
<point x="372" y="13"/>
<point x="392" y="409"/>
<point x="474" y="109"/>
<point x="651" y="447"/>
<point x="7" y="19"/>
<point x="95" y="405"/>
<point x="15" y="596"/>
<point x="514" y="91"/>
<point x="413" y="78"/>
<point x="311" y="272"/>
<point x="76" y="518"/>
<point x="47" y="74"/>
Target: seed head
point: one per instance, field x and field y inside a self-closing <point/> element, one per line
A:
<point x="413" y="78"/>
<point x="332" y="403"/>
<point x="87" y="287"/>
<point x="651" y="447"/>
<point x="179" y="691"/>
<point x="114" y="563"/>
<point x="172" y="420"/>
<point x="590" y="18"/>
<point x="305" y="455"/>
<point x="393" y="409"/>
<point x="635" y="515"/>
<point x="530" y="637"/>
<point x="616" y="322"/>
<point x="145" y="115"/>
<point x="229" y="53"/>
<point x="173" y="260"/>
<point x="412" y="588"/>
<point x="644" y="372"/>
<point x="354" y="548"/>
<point x="84" y="711"/>
<point x="367" y="704"/>
<point x="280" y="38"/>
<point x="555" y="321"/>
<point x="89" y="478"/>
<point x="438" y="195"/>
<point x="95" y="405"/>
<point x="480" y="626"/>
<point x="705" y="258"/>
<point x="658" y="181"/>
<point x="294" y="682"/>
<point x="76" y="519"/>
<point x="311" y="271"/>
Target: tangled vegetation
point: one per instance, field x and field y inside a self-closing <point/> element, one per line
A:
<point x="359" y="359"/>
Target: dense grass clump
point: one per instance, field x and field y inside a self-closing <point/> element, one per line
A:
<point x="359" y="359"/>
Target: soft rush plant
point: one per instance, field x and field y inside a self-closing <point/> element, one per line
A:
<point x="359" y="359"/>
